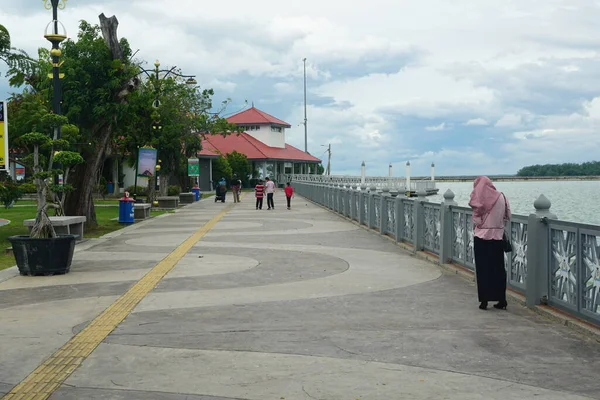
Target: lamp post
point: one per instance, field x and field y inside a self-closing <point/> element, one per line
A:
<point x="55" y="33"/>
<point x="155" y="76"/>
<point x="156" y="181"/>
<point x="328" y="171"/>
<point x="305" y="120"/>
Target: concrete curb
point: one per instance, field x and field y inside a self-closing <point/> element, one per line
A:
<point x="582" y="327"/>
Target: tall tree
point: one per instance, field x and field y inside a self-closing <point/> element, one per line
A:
<point x="174" y="125"/>
<point x="99" y="77"/>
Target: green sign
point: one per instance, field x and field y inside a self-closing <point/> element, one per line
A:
<point x="193" y="167"/>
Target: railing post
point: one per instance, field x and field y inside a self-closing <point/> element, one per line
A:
<point x="446" y="226"/>
<point x="419" y="220"/>
<point x="538" y="242"/>
<point x="399" y="204"/>
<point x="361" y="204"/>
<point x="383" y="210"/>
<point x="347" y="198"/>
<point x="353" y="195"/>
<point x="371" y="216"/>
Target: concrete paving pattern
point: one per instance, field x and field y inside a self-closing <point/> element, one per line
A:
<point x="221" y="301"/>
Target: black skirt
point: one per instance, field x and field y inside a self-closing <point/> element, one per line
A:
<point x="489" y="269"/>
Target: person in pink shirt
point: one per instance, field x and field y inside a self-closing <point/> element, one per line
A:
<point x="289" y="192"/>
<point x="490" y="212"/>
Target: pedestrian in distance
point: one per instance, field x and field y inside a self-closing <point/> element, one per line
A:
<point x="221" y="190"/>
<point x="490" y="212"/>
<point x="289" y="193"/>
<point x="270" y="190"/>
<point x="236" y="185"/>
<point x="259" y="193"/>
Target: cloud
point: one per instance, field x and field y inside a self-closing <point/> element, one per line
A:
<point x="440" y="127"/>
<point x="380" y="88"/>
<point x="476" y="122"/>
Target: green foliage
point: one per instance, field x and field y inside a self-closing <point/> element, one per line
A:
<point x="173" y="190"/>
<point x="591" y="168"/>
<point x="26" y="111"/>
<point x="240" y="166"/>
<point x="52" y="121"/>
<point x="16" y="59"/>
<point x="34" y="139"/>
<point x="9" y="193"/>
<point x="221" y="169"/>
<point x="141" y="191"/>
<point x="68" y="158"/>
<point x="320" y="169"/>
<point x="28" y="188"/>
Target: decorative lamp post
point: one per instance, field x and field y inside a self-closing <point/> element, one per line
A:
<point x="155" y="201"/>
<point x="55" y="33"/>
<point x="155" y="77"/>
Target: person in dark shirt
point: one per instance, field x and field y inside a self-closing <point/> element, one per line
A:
<point x="259" y="192"/>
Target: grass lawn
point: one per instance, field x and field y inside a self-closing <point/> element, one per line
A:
<point x="17" y="215"/>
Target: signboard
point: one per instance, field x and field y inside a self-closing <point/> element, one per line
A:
<point x="193" y="167"/>
<point x="19" y="172"/>
<point x="3" y="137"/>
<point x="146" y="162"/>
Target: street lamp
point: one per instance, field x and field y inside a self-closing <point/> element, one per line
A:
<point x="155" y="77"/>
<point x="328" y="172"/>
<point x="55" y="33"/>
<point x="305" y="120"/>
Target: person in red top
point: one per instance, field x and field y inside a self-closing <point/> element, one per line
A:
<point x="259" y="192"/>
<point x="289" y="192"/>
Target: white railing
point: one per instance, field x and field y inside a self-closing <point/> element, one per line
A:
<point x="379" y="182"/>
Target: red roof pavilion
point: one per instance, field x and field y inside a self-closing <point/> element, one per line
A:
<point x="253" y="148"/>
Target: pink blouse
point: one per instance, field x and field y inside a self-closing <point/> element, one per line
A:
<point x="491" y="225"/>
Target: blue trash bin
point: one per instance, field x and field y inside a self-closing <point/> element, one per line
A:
<point x="126" y="213"/>
<point x="110" y="188"/>
<point x="196" y="191"/>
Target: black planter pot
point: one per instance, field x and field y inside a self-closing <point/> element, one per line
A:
<point x="43" y="256"/>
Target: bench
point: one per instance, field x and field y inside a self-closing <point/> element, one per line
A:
<point x="63" y="225"/>
<point x="169" y="202"/>
<point x="186" y="198"/>
<point x="142" y="210"/>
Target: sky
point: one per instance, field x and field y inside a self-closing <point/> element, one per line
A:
<point x="477" y="87"/>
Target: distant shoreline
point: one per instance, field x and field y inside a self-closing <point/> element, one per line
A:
<point x="514" y="178"/>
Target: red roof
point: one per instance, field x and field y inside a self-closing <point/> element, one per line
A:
<point x="215" y="145"/>
<point x="255" y="116"/>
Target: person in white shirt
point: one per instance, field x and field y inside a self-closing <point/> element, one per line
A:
<point x="270" y="189"/>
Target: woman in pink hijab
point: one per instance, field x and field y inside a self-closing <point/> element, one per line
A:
<point x="490" y="212"/>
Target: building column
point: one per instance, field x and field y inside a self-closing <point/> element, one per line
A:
<point x="210" y="181"/>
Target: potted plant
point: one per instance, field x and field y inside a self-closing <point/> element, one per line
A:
<point x="43" y="252"/>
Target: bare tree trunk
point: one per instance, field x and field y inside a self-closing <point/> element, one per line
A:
<point x="164" y="183"/>
<point x="81" y="202"/>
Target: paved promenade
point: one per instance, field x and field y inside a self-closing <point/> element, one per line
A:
<point x="273" y="305"/>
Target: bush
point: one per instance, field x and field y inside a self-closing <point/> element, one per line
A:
<point x="9" y="193"/>
<point x="173" y="191"/>
<point x="141" y="191"/>
<point x="28" y="188"/>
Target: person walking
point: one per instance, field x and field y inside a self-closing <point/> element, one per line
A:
<point x="289" y="193"/>
<point x="490" y="211"/>
<point x="270" y="189"/>
<point x="235" y="188"/>
<point x="259" y="192"/>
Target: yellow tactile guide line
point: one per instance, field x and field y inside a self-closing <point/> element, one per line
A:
<point x="46" y="378"/>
